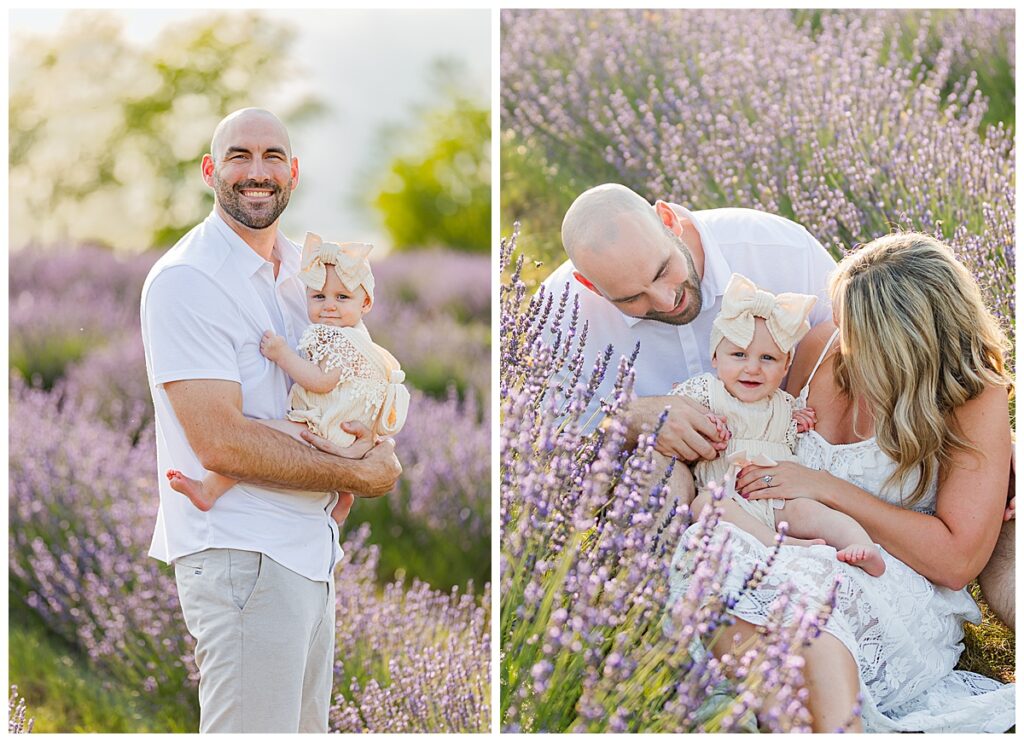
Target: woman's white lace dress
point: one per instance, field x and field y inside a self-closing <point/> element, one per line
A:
<point x="904" y="631"/>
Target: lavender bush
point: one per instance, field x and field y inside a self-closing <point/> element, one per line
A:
<point x="65" y="304"/>
<point x="434" y="312"/>
<point x="441" y="512"/>
<point x="591" y="637"/>
<point x="409" y="660"/>
<point x="112" y="379"/>
<point x="16" y="711"/>
<point x="80" y="531"/>
<point x="448" y="282"/>
<point x="83" y="504"/>
<point x="81" y="518"/>
<point x="847" y="126"/>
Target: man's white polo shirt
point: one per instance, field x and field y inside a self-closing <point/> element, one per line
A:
<point x="775" y="253"/>
<point x="205" y="305"/>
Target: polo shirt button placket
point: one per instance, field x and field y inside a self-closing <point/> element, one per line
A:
<point x="691" y="353"/>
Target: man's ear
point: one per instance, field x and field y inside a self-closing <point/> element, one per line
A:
<point x="207" y="167"/>
<point x="582" y="279"/>
<point x="668" y="217"/>
<point x="295" y="172"/>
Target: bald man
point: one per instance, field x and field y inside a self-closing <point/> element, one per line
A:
<point x="255" y="572"/>
<point x="655" y="275"/>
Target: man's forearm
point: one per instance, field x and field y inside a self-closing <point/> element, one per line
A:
<point x="641" y="415"/>
<point x="260" y="455"/>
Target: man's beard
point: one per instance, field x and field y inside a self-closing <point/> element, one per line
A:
<point x="690" y="287"/>
<point x="258" y="216"/>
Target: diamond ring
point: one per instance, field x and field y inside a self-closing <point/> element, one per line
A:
<point x="767" y="479"/>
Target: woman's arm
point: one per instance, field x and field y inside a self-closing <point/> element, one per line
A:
<point x="305" y="373"/>
<point x="949" y="548"/>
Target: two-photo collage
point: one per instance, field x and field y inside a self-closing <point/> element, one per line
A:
<point x="511" y="370"/>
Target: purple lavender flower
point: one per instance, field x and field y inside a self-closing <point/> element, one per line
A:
<point x="16" y="722"/>
<point x="851" y="123"/>
<point x="592" y="637"/>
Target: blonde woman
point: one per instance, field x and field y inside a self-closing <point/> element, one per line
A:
<point x="912" y="441"/>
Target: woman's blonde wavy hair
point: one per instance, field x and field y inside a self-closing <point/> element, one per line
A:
<point x="915" y="342"/>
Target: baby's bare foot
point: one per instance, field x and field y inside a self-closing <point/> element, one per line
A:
<point x="868" y="558"/>
<point x="790" y="541"/>
<point x="191" y="488"/>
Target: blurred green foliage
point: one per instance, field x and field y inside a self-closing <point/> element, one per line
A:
<point x="64" y="694"/>
<point x="437" y="189"/>
<point x="101" y="126"/>
<point x="43" y="360"/>
<point x="408" y="550"/>
<point x="537" y="194"/>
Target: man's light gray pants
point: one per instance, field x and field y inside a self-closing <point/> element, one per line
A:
<point x="264" y="642"/>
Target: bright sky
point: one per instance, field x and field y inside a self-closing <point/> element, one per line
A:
<point x="368" y="67"/>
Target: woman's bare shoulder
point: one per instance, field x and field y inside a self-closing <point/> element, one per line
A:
<point x="807" y="353"/>
<point x="985" y="419"/>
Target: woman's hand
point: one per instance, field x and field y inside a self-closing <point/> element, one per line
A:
<point x="785" y="481"/>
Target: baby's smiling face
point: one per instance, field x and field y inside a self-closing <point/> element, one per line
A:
<point x="335" y="304"/>
<point x="753" y="373"/>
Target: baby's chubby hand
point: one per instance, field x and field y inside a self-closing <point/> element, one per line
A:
<point x="721" y="426"/>
<point x="272" y="346"/>
<point x="805" y="419"/>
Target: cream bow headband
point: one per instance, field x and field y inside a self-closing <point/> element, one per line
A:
<point x="785" y="315"/>
<point x="348" y="258"/>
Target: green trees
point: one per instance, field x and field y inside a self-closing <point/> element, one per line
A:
<point x="437" y="188"/>
<point x="106" y="135"/>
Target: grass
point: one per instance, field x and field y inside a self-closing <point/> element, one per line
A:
<point x="989" y="649"/>
<point x="407" y="550"/>
<point x="64" y="694"/>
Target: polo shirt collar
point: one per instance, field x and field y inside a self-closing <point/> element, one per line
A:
<point x="716" y="270"/>
<point x="245" y="257"/>
<point x="290" y="255"/>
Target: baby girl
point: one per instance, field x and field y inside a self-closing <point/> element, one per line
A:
<point x="341" y="375"/>
<point x="752" y="342"/>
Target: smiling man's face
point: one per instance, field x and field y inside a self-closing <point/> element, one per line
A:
<point x="252" y="171"/>
<point x="647" y="273"/>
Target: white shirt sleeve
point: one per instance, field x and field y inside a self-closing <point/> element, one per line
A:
<point x="192" y="327"/>
<point x="820" y="267"/>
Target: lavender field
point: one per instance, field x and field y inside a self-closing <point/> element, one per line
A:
<point x="413" y="594"/>
<point x="848" y="122"/>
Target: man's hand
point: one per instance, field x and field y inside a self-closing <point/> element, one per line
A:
<point x="378" y="467"/>
<point x="226" y="442"/>
<point x="688" y="434"/>
<point x="272" y="346"/>
<point x="358" y="449"/>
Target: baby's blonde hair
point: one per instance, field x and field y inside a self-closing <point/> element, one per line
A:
<point x="916" y="343"/>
